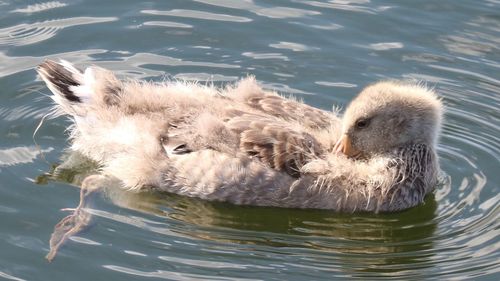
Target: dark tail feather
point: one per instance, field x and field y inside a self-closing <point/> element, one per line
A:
<point x="60" y="77"/>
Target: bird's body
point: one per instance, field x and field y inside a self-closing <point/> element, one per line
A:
<point x="244" y="145"/>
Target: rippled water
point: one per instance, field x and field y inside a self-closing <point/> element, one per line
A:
<point x="322" y="52"/>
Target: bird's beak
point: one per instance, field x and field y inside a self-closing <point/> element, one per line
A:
<point x="344" y="145"/>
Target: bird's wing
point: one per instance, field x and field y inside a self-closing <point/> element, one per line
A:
<point x="291" y="110"/>
<point x="274" y="144"/>
<point x="251" y="94"/>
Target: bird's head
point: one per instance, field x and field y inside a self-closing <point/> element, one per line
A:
<point x="388" y="115"/>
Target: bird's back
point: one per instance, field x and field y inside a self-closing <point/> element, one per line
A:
<point x="138" y="130"/>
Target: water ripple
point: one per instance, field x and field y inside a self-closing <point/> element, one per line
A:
<point x="479" y="38"/>
<point x="26" y="34"/>
<point x="336" y="84"/>
<point x="204" y="263"/>
<point x="468" y="73"/>
<point x="169" y="275"/>
<point x="330" y="26"/>
<point x="276" y="12"/>
<point x="22" y="112"/>
<point x="124" y="64"/>
<point x="265" y="56"/>
<point x="136" y="64"/>
<point x="385" y="46"/>
<point x="296" y="47"/>
<point x="167" y="24"/>
<point x="197" y="15"/>
<point x="39" y="7"/>
<point x="20" y="155"/>
<point x="349" y="5"/>
<point x="10" y="277"/>
<point x="284" y="12"/>
<point x="134" y="253"/>
<point x="205" y="77"/>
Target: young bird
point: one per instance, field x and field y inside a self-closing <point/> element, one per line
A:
<point x="244" y="145"/>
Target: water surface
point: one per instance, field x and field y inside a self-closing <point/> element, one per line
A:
<point x="322" y="52"/>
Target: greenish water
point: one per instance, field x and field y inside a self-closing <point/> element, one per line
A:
<point x="322" y="52"/>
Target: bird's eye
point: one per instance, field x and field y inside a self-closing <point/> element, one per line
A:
<point x="362" y="123"/>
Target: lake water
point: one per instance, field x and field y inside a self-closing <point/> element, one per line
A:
<point x="322" y="52"/>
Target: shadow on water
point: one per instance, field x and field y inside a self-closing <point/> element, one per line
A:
<point x="363" y="243"/>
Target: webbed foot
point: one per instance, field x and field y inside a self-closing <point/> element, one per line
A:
<point x="79" y="219"/>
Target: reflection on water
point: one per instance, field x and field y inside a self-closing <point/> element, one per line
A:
<point x="323" y="52"/>
<point x="389" y="242"/>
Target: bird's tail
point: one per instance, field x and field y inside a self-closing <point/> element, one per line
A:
<point x="75" y="90"/>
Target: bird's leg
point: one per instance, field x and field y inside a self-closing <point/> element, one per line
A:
<point x="80" y="217"/>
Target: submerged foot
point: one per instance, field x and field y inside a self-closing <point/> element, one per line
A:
<point x="79" y="219"/>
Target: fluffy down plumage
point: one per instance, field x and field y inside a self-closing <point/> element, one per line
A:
<point x="245" y="145"/>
